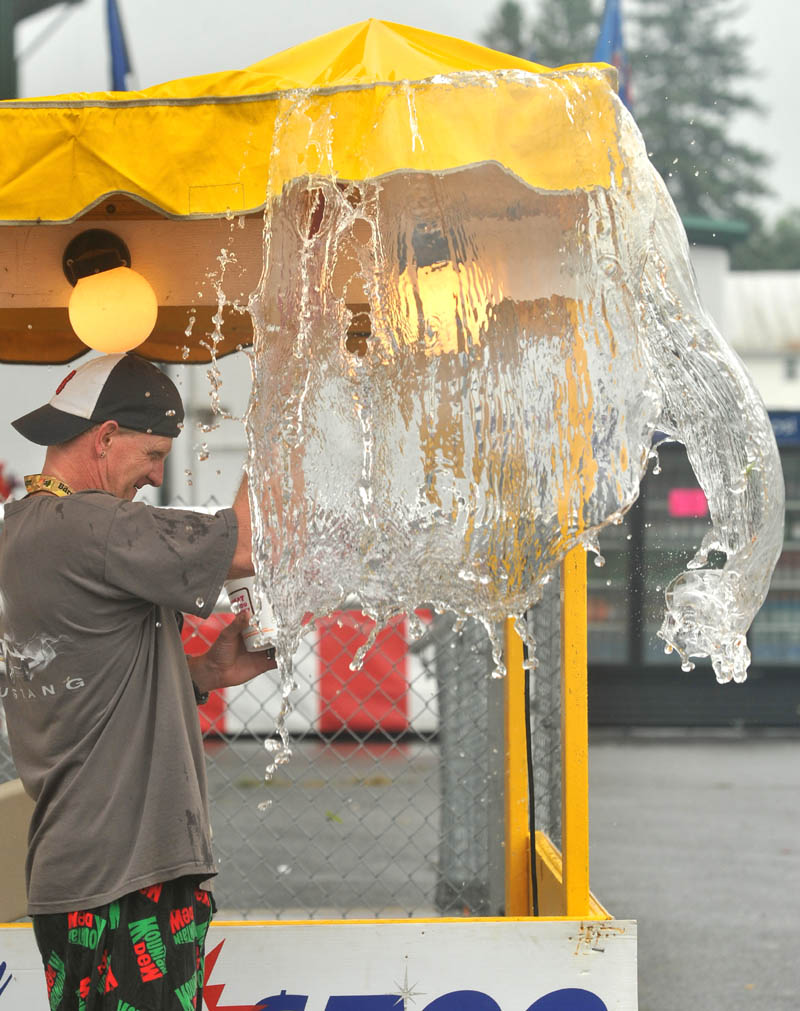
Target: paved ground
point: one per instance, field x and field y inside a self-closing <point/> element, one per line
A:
<point x="349" y="830"/>
<point x="698" y="838"/>
<point x="695" y="836"/>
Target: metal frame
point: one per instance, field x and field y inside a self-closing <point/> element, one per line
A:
<point x="565" y="875"/>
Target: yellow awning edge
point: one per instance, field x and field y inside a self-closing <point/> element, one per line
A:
<point x="383" y="97"/>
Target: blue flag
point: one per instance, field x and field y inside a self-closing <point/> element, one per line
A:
<point x="610" y="48"/>
<point x="120" y="64"/>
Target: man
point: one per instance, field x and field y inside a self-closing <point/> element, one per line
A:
<point x="101" y="701"/>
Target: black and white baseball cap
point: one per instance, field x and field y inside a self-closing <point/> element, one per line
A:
<point x="125" y="388"/>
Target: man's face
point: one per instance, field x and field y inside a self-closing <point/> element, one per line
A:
<point x="134" y="460"/>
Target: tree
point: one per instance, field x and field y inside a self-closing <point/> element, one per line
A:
<point x="563" y="31"/>
<point x="507" y="31"/>
<point x="688" y="76"/>
<point x="778" y="249"/>
<point x="689" y="81"/>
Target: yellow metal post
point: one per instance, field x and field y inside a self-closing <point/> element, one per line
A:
<point x="518" y="842"/>
<point x="574" y="736"/>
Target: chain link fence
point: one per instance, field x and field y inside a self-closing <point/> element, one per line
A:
<point x="544" y="622"/>
<point x="391" y="804"/>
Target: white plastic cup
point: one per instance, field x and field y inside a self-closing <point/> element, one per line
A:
<point x="261" y="631"/>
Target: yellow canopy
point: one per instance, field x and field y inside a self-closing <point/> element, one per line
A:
<point x="166" y="166"/>
<point x="202" y="146"/>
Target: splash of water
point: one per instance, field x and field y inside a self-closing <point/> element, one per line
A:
<point x="458" y="377"/>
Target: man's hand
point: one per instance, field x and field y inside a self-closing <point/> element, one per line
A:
<point x="227" y="663"/>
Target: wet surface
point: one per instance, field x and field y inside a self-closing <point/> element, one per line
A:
<point x="694" y="836"/>
<point x="697" y="838"/>
<point x="325" y="843"/>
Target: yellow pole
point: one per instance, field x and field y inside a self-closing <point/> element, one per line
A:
<point x="574" y="736"/>
<point x="518" y="843"/>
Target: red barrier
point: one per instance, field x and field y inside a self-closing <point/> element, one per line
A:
<point x="197" y="635"/>
<point x="374" y="697"/>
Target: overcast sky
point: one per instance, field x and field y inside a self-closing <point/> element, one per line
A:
<point x="64" y="49"/>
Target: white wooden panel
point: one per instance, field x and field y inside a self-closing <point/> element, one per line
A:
<point x="424" y="965"/>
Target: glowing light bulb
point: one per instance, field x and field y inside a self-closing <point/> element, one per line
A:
<point x="113" y="310"/>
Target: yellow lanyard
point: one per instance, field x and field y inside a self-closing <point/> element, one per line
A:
<point x="43" y="482"/>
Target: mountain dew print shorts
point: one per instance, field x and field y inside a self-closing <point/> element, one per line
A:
<point x="143" y="952"/>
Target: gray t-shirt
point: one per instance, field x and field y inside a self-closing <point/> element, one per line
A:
<point x="99" y="704"/>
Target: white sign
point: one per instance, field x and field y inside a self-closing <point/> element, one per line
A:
<point x="415" y="965"/>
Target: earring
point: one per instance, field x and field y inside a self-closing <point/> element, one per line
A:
<point x="102" y="452"/>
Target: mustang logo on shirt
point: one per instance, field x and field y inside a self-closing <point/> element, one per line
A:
<point x="23" y="661"/>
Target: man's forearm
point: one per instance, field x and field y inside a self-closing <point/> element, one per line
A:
<point x="204" y="675"/>
<point x="228" y="662"/>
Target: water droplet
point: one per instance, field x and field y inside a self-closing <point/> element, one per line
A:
<point x="283" y="869"/>
<point x="200" y="602"/>
<point x="170" y="413"/>
<point x="147" y="393"/>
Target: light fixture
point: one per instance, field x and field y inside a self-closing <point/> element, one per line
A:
<point x="112" y="308"/>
